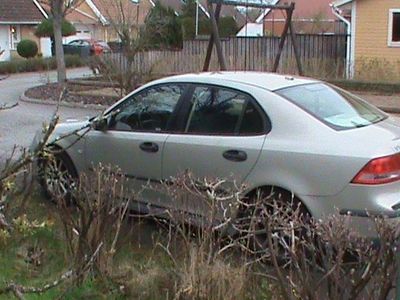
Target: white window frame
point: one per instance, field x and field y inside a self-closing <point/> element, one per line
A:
<point x="391" y="43"/>
<point x="14" y="43"/>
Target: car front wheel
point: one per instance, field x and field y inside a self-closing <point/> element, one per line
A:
<point x="58" y="176"/>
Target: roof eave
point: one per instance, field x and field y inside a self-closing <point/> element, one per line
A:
<point x="41" y="9"/>
<point x="20" y="22"/>
<point x="265" y="13"/>
<point x="339" y="3"/>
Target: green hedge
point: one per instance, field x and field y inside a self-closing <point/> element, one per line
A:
<point x="27" y="48"/>
<point x="38" y="64"/>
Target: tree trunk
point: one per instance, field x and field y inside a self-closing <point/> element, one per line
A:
<point x="57" y="23"/>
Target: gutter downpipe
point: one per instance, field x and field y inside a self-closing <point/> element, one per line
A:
<point x="335" y="11"/>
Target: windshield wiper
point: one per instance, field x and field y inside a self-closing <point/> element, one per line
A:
<point x="358" y="125"/>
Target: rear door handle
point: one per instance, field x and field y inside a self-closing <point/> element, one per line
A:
<point x="235" y="155"/>
<point x="149" y="147"/>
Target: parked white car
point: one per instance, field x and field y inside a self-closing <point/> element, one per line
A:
<point x="332" y="150"/>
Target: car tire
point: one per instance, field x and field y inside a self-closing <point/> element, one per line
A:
<point x="58" y="176"/>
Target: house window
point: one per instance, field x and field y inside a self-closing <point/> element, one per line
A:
<point x="394" y="28"/>
<point x="15" y="36"/>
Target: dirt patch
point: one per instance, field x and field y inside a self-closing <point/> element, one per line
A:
<point x="392" y="101"/>
<point x="75" y="93"/>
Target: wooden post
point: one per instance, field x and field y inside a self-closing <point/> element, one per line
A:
<point x="289" y="12"/>
<point x="206" y="65"/>
<point x="294" y="44"/>
<point x="216" y="38"/>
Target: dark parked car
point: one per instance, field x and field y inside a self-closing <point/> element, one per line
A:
<point x="95" y="47"/>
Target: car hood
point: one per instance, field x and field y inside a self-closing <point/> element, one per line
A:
<point x="68" y="130"/>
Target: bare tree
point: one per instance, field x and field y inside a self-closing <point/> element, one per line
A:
<point x="124" y="18"/>
<point x="58" y="9"/>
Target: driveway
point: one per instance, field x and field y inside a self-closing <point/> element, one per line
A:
<point x="19" y="124"/>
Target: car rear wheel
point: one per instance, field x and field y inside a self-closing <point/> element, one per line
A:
<point x="58" y="176"/>
<point x="274" y="208"/>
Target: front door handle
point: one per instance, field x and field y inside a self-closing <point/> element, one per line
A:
<point x="149" y="147"/>
<point x="235" y="155"/>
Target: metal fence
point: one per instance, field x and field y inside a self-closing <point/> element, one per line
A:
<point x="319" y="53"/>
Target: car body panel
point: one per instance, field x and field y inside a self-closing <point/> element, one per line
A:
<point x="122" y="149"/>
<point x="203" y="156"/>
<point x="73" y="144"/>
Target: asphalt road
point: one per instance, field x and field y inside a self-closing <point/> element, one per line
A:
<point x="19" y="124"/>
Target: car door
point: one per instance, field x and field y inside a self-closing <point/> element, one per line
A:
<point x="135" y="136"/>
<point x="224" y="132"/>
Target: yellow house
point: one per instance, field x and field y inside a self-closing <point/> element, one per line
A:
<point x="374" y="50"/>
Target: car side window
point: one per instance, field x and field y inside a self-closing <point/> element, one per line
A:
<point x="150" y="110"/>
<point x="252" y="122"/>
<point x="221" y="111"/>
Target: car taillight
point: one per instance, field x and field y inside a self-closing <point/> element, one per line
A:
<point x="380" y="170"/>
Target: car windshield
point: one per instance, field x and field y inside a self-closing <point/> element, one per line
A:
<point x="333" y="106"/>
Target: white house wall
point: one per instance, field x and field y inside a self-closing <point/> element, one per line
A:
<point x="4" y="42"/>
<point x="83" y="31"/>
<point x="45" y="47"/>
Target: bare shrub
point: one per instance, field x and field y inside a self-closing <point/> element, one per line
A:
<point x="202" y="269"/>
<point x="310" y="259"/>
<point x="95" y="219"/>
<point x="328" y="259"/>
<point x="125" y="71"/>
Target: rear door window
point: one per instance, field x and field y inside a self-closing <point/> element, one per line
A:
<point x="333" y="106"/>
<point x="221" y="111"/>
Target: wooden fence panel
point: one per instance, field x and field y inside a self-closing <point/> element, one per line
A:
<point x="255" y="54"/>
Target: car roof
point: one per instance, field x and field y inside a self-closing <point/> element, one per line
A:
<point x="269" y="81"/>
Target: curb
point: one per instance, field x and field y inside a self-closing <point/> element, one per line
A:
<point x="27" y="99"/>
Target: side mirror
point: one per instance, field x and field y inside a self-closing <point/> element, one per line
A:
<point x="100" y="124"/>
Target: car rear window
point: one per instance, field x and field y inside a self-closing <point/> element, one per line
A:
<point x="333" y="106"/>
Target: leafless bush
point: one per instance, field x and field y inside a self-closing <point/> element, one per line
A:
<point x="202" y="270"/>
<point x="95" y="219"/>
<point x="328" y="259"/>
<point x="126" y="74"/>
<point x="19" y="164"/>
<point x="311" y="259"/>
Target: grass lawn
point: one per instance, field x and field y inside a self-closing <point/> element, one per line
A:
<point x="142" y="269"/>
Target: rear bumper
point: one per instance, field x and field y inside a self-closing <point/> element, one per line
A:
<point x="361" y="203"/>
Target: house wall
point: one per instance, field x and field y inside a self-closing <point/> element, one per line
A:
<point x="371" y="38"/>
<point x="28" y="32"/>
<point x="4" y="43"/>
<point x="86" y="23"/>
<point x="273" y="27"/>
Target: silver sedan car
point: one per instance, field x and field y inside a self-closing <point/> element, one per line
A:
<point x="331" y="150"/>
